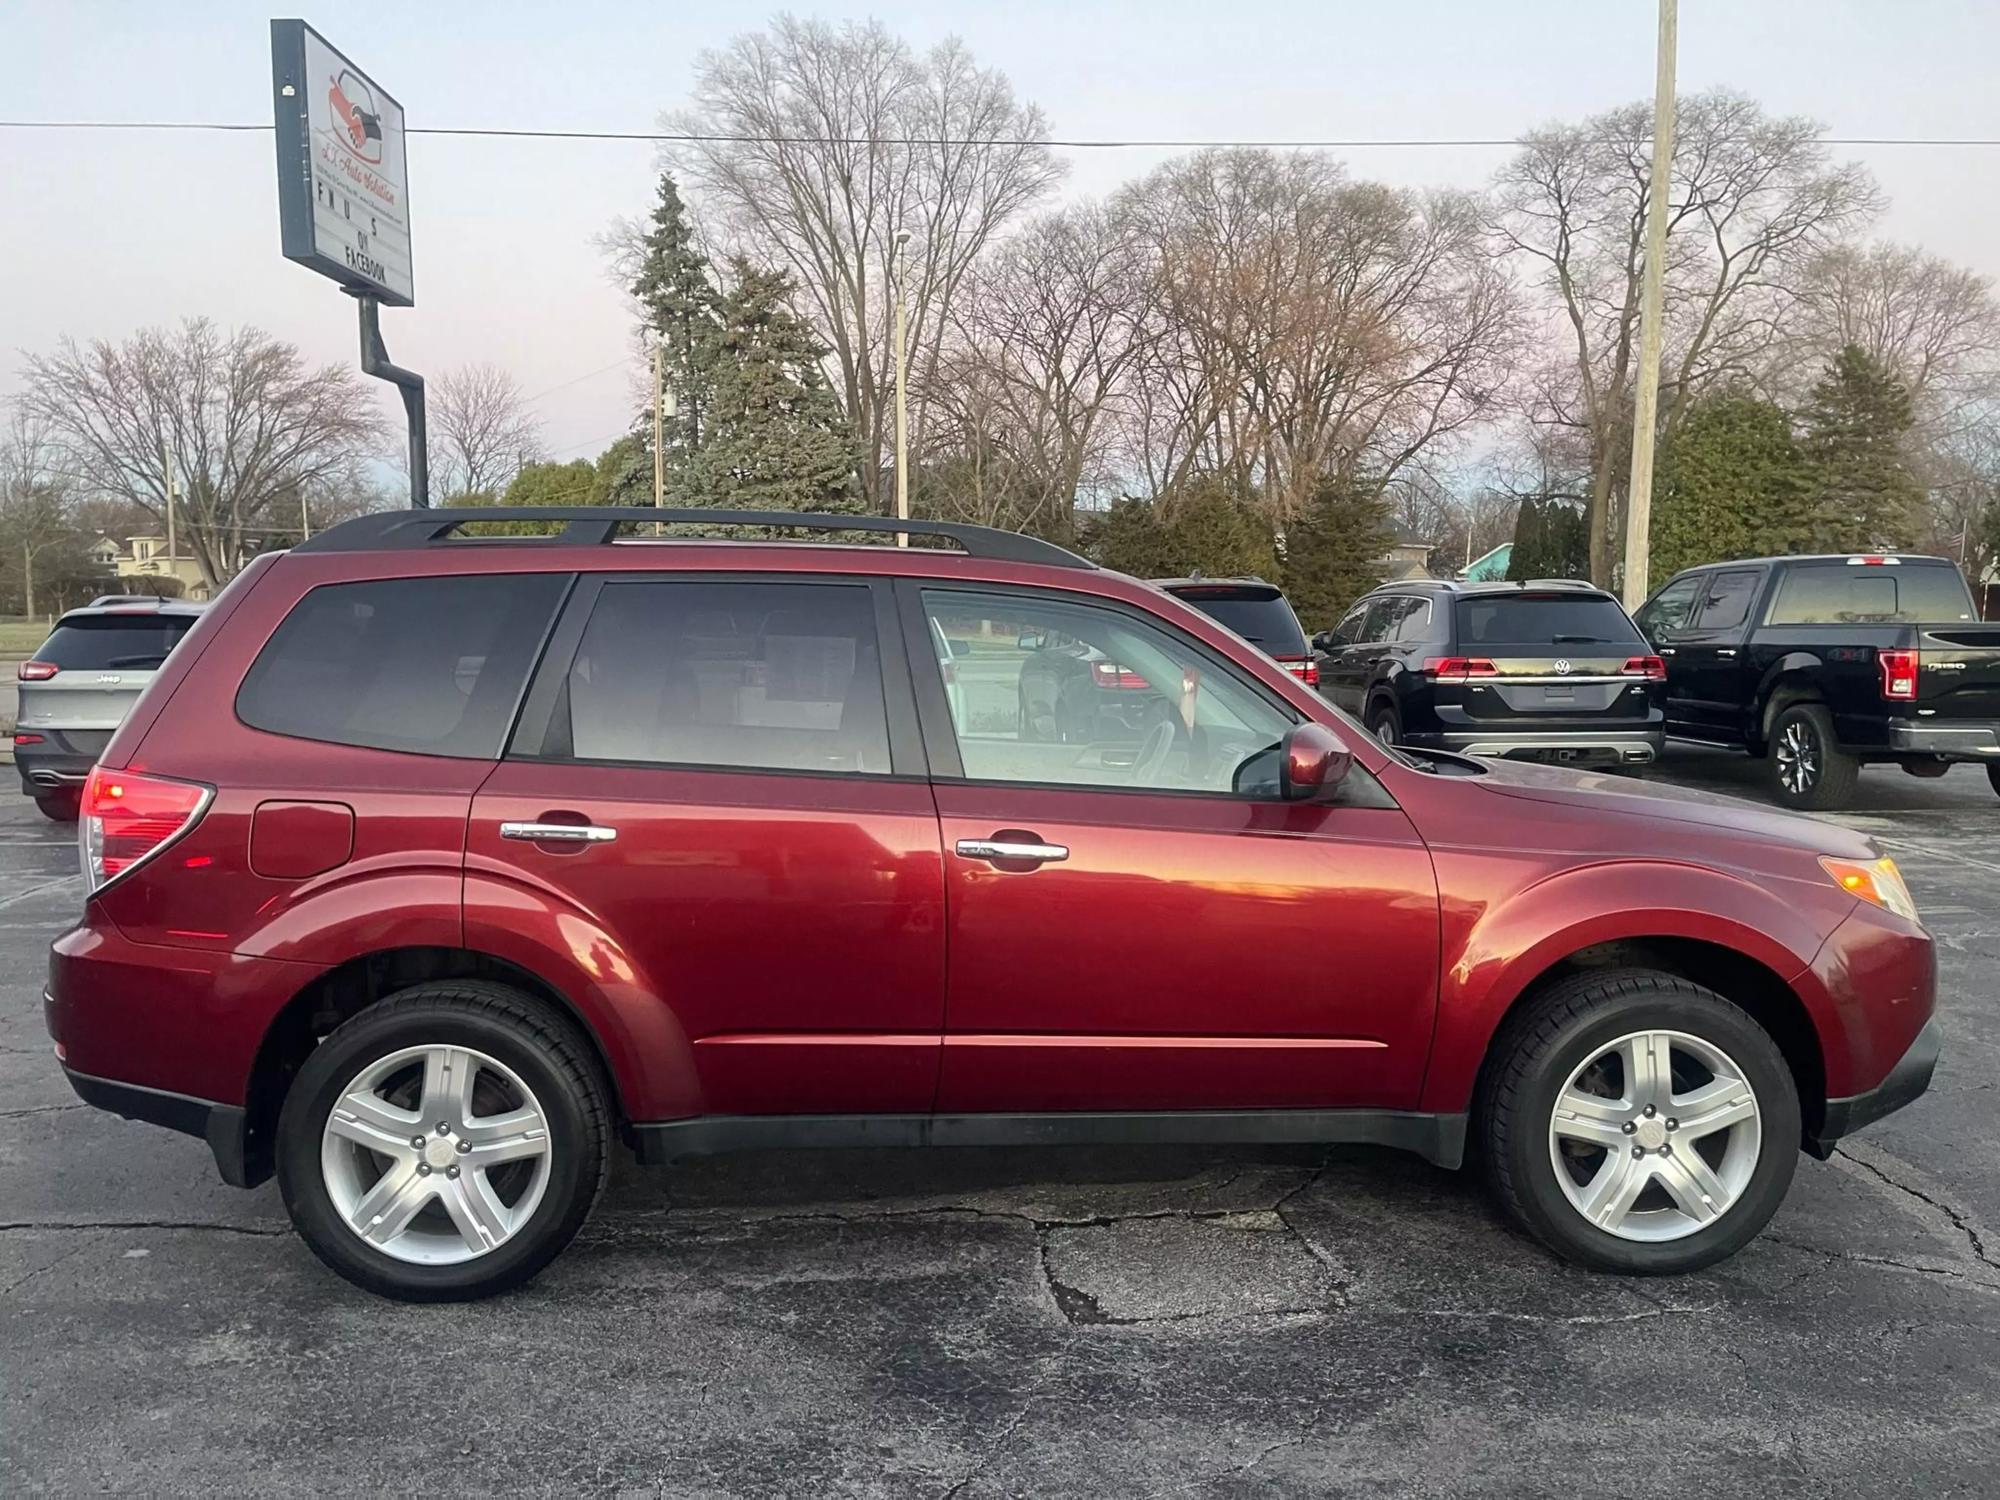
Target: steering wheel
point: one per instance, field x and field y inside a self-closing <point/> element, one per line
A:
<point x="1153" y="751"/>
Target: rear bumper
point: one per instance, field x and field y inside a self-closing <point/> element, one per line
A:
<point x="57" y="762"/>
<point x="223" y="1126"/>
<point x="1907" y="1080"/>
<point x="1575" y="746"/>
<point x="1952" y="741"/>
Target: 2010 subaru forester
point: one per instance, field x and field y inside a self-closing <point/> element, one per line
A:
<point x="432" y="865"/>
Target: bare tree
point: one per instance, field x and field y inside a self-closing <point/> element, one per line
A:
<point x="1309" y="328"/>
<point x="1754" y="200"/>
<point x="480" y="431"/>
<point x="245" y="425"/>
<point x="37" y="511"/>
<point x="819" y="143"/>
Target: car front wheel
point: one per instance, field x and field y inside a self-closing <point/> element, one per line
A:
<point x="1634" y="1121"/>
<point x="445" y="1143"/>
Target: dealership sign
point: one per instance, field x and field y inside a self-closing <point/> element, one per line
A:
<point x="343" y="177"/>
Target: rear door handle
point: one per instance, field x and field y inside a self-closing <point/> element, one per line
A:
<point x="1666" y="651"/>
<point x="558" y="833"/>
<point x="1025" y="850"/>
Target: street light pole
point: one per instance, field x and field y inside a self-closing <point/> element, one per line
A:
<point x="902" y="376"/>
<point x="1646" y="406"/>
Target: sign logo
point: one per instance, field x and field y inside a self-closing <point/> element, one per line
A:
<point x="360" y="119"/>
<point x="107" y="678"/>
<point x="1562" y="666"/>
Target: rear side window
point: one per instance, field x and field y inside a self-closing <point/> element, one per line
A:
<point x="1496" y="622"/>
<point x="135" y="643"/>
<point x="1261" y="616"/>
<point x="1871" y="594"/>
<point x="763" y="676"/>
<point x="435" y="666"/>
<point x="1728" y="601"/>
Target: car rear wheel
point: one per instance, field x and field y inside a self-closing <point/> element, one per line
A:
<point x="59" y="807"/>
<point x="444" y="1144"/>
<point x="1385" y="723"/>
<point x="1634" y="1121"/>
<point x="1809" y="770"/>
<point x="1993" y="777"/>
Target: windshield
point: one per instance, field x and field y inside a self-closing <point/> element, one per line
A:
<point x="112" y="642"/>
<point x="1260" y="616"/>
<point x="1865" y="594"/>
<point x="1533" y="624"/>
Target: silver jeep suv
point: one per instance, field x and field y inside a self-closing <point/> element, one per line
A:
<point x="79" y="686"/>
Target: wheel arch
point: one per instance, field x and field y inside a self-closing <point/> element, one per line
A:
<point x="1788" y="680"/>
<point x="347" y="989"/>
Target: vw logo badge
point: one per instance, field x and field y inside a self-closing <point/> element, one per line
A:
<point x="1562" y="666"/>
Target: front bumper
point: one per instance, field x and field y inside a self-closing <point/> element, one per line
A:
<point x="1907" y="1080"/>
<point x="1583" y="747"/>
<point x="1951" y="741"/>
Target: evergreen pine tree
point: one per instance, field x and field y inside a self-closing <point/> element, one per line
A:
<point x="1855" y="424"/>
<point x="1212" y="531"/>
<point x="1130" y="538"/>
<point x="774" y="438"/>
<point x="1732" y="483"/>
<point x="680" y="312"/>
<point x="1530" y="542"/>
<point x="1335" y="552"/>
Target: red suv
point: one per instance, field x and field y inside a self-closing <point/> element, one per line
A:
<point x="431" y="865"/>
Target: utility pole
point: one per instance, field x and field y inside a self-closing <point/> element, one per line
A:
<point x="1645" y="416"/>
<point x="659" y="429"/>
<point x="167" y="474"/>
<point x="305" y="518"/>
<point x="902" y="375"/>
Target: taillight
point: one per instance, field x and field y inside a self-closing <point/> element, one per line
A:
<point x="1110" y="675"/>
<point x="36" y="671"/>
<point x="27" y="739"/>
<point x="1459" y="668"/>
<point x="1306" y="671"/>
<point x="1899" y="674"/>
<point x="1649" y="667"/>
<point x="125" y="819"/>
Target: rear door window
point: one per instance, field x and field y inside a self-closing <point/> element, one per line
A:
<point x="434" y="666"/>
<point x="1261" y="616"/>
<point x="111" y="643"/>
<point x="1871" y="594"/>
<point x="759" y="676"/>
<point x="1728" y="603"/>
<point x="1531" y="624"/>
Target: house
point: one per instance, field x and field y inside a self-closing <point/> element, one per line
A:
<point x="145" y="558"/>
<point x="1407" y="558"/>
<point x="1490" y="567"/>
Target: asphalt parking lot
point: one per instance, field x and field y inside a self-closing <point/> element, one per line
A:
<point x="1053" y="1323"/>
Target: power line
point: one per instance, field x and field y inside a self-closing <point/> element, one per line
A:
<point x="616" y="364"/>
<point x="670" y="137"/>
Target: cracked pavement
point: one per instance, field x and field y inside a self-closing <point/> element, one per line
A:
<point x="987" y="1323"/>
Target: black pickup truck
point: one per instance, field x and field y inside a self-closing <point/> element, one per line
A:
<point x="1821" y="664"/>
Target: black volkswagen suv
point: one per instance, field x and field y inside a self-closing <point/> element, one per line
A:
<point x="1546" y="670"/>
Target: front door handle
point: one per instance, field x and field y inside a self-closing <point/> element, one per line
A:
<point x="1725" y="651"/>
<point x="558" y="833"/>
<point x="1027" y="851"/>
<point x="1665" y="651"/>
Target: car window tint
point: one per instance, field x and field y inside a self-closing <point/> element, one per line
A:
<point x="1668" y="610"/>
<point x="1375" y="624"/>
<point x="770" y="676"/>
<point x="1348" y="631"/>
<point x="1542" y="621"/>
<point x="1260" y="616"/>
<point x="1728" y="601"/>
<point x="133" y="643"/>
<point x="430" y="665"/>
<point x="1871" y="594"/>
<point x="1072" y="695"/>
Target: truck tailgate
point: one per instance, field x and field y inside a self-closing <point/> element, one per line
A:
<point x="1958" y="672"/>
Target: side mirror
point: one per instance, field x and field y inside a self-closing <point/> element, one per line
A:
<point x="958" y="647"/>
<point x="1311" y="763"/>
<point x="1323" y="641"/>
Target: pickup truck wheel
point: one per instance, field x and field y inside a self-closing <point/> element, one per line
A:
<point x="1809" y="770"/>
<point x="444" y="1144"/>
<point x="1634" y="1121"/>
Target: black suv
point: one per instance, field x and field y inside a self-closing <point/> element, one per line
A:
<point x="1823" y="664"/>
<point x="1545" y="670"/>
<point x="1257" y="611"/>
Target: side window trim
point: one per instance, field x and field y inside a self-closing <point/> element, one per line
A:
<point x="934" y="708"/>
<point x="531" y="739"/>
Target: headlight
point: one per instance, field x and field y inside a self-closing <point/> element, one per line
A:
<point x="1878" y="881"/>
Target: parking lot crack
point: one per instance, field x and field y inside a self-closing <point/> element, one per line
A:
<point x="39" y="1109"/>
<point x="1886" y="1262"/>
<point x="62" y="1226"/>
<point x="1960" y="1220"/>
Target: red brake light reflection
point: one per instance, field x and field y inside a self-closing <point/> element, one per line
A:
<point x="1459" y="668"/>
<point x="1652" y="668"/>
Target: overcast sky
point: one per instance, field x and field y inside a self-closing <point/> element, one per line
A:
<point x="102" y="232"/>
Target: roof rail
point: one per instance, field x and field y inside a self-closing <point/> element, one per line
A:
<point x="597" y="524"/>
<point x="1561" y="583"/>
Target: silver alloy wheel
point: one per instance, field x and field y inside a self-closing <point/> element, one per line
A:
<point x="1668" y="1153"/>
<point x="449" y="1175"/>
<point x="1385" y="730"/>
<point x="1798" y="758"/>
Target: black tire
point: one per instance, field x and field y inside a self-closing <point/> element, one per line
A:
<point x="59" y="807"/>
<point x="1828" y="775"/>
<point x="1383" y="716"/>
<point x="526" y="1035"/>
<point x="1993" y="776"/>
<point x="1541" y="1046"/>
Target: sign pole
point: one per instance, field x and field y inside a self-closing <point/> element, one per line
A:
<point x="375" y="361"/>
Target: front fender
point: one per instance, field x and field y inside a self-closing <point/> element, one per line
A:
<point x="538" y="929"/>
<point x="1493" y="952"/>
